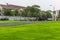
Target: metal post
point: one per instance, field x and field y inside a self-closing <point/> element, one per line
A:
<point x="54" y="13"/>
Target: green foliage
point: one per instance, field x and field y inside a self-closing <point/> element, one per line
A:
<point x="7" y="12"/>
<point x="48" y="14"/>
<point x="36" y="6"/>
<point x="44" y="15"/>
<point x="22" y="13"/>
<point x="16" y="12"/>
<point x="34" y="11"/>
<point x="31" y="11"/>
<point x="12" y="13"/>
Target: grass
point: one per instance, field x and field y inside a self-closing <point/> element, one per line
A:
<point x="38" y="31"/>
<point x="5" y="22"/>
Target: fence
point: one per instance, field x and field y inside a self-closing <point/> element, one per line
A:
<point x="18" y="18"/>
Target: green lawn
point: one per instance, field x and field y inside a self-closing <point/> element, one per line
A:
<point x="5" y="22"/>
<point x="38" y="31"/>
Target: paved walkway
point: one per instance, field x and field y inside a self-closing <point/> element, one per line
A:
<point x="18" y="23"/>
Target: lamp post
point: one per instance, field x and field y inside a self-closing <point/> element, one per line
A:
<point x="53" y="13"/>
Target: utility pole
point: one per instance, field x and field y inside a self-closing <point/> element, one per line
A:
<point x="54" y="13"/>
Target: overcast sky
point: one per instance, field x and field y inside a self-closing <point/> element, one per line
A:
<point x="43" y="3"/>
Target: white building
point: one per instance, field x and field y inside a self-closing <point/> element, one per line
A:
<point x="55" y="14"/>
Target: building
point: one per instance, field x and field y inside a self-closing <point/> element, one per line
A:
<point x="9" y="6"/>
<point x="55" y="15"/>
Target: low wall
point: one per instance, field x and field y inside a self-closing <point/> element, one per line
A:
<point x="18" y="18"/>
<point x="49" y="19"/>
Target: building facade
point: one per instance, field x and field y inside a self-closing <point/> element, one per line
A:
<point x="55" y="14"/>
<point x="10" y="7"/>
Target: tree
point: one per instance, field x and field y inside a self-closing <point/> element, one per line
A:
<point x="35" y="11"/>
<point x="22" y="13"/>
<point x="16" y="12"/>
<point x="31" y="11"/>
<point x="48" y="14"/>
<point x="13" y="13"/>
<point x="7" y="12"/>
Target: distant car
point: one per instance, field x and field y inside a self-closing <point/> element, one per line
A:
<point x="43" y="19"/>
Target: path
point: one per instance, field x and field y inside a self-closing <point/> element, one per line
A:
<point x="17" y="23"/>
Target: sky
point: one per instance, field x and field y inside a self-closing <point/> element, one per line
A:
<point x="44" y="4"/>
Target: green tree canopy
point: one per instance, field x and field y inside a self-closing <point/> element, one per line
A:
<point x="7" y="12"/>
<point x="48" y="14"/>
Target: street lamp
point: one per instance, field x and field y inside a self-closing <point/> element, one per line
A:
<point x="54" y="13"/>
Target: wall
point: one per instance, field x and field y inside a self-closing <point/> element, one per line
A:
<point x="18" y="18"/>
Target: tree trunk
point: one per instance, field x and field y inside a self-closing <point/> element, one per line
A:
<point x="37" y="18"/>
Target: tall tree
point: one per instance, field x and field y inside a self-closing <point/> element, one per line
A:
<point x="31" y="11"/>
<point x="36" y="11"/>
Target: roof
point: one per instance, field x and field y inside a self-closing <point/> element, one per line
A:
<point x="9" y="6"/>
